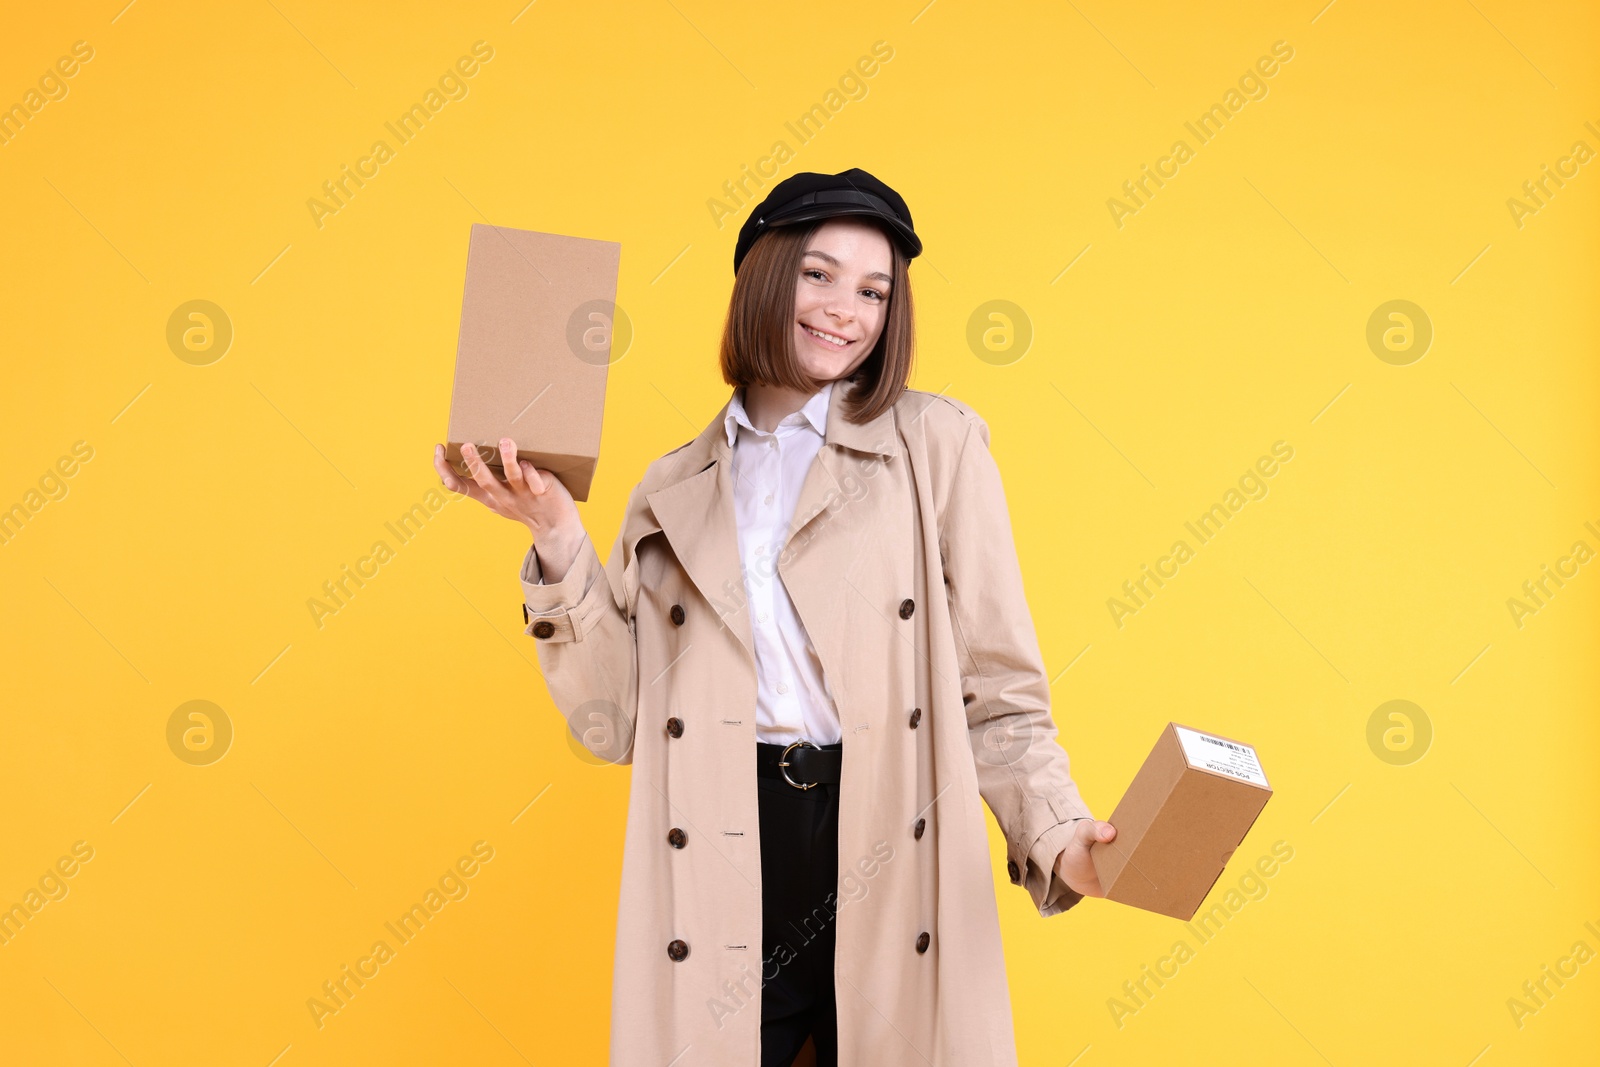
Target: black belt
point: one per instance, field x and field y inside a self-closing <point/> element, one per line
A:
<point x="808" y="764"/>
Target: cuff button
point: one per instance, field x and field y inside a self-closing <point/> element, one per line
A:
<point x="544" y="628"/>
<point x="1013" y="871"/>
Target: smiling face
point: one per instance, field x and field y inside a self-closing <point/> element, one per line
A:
<point x="842" y="293"/>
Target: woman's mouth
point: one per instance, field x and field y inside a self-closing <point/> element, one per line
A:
<point x="828" y="339"/>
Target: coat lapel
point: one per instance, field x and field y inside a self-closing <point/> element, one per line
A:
<point x="835" y="461"/>
<point x="696" y="513"/>
<point x="833" y="524"/>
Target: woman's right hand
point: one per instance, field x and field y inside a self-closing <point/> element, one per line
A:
<point x="536" y="498"/>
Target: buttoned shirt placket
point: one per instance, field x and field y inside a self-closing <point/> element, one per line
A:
<point x="798" y="704"/>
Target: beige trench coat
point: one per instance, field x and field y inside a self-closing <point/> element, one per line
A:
<point x="901" y="564"/>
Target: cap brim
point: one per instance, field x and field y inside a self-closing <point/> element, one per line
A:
<point x="813" y="212"/>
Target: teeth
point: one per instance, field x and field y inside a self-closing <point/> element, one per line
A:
<point x="826" y="337"/>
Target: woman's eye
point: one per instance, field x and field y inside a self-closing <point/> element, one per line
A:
<point x="813" y="272"/>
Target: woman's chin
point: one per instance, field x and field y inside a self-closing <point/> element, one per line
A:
<point x="824" y="369"/>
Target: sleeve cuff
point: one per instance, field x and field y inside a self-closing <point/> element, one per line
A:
<point x="568" y="609"/>
<point x="1035" y="870"/>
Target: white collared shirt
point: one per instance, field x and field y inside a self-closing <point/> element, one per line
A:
<point x="792" y="695"/>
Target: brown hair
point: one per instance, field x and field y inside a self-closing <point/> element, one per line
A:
<point x="758" y="337"/>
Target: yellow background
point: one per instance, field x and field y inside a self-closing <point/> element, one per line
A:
<point x="1229" y="313"/>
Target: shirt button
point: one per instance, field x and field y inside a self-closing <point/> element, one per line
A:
<point x="678" y="951"/>
<point x="544" y="628"/>
<point x="916" y="831"/>
<point x="768" y="500"/>
<point x="675" y="727"/>
<point x="677" y="838"/>
<point x="763" y="617"/>
<point x="906" y="608"/>
<point x="916" y="717"/>
<point x="783" y="687"/>
<point x="922" y="941"/>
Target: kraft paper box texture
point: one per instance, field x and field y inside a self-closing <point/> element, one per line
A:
<point x="1185" y="813"/>
<point x="535" y="343"/>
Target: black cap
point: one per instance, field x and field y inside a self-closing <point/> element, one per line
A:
<point x="807" y="196"/>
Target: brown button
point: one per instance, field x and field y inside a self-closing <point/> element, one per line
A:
<point x="1013" y="870"/>
<point x="524" y="614"/>
<point x="906" y="608"/>
<point x="916" y="830"/>
<point x="676" y="614"/>
<point x="677" y="838"/>
<point x="544" y="628"/>
<point x="922" y="941"/>
<point x="916" y="717"/>
<point x="678" y="951"/>
<point x="675" y="726"/>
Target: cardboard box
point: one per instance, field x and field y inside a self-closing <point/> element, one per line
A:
<point x="536" y="339"/>
<point x="1188" y="809"/>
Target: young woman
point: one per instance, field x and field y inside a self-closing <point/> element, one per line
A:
<point x="826" y="568"/>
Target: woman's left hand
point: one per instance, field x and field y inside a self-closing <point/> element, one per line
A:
<point x="1074" y="866"/>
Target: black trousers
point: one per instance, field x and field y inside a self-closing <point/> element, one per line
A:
<point x="799" y="877"/>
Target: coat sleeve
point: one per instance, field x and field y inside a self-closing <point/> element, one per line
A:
<point x="583" y="626"/>
<point x="1023" y="772"/>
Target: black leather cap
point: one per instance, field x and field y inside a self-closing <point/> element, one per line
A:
<point x="808" y="196"/>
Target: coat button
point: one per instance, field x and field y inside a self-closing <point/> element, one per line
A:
<point x="675" y="726"/>
<point x="524" y="614"/>
<point x="916" y="717"/>
<point x="1013" y="870"/>
<point x="922" y="941"/>
<point x="907" y="606"/>
<point x="678" y="951"/>
<point x="544" y="628"/>
<point x="916" y="830"/>
<point x="676" y="614"/>
<point x="677" y="838"/>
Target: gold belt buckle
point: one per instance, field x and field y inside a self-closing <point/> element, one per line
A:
<point x="783" y="763"/>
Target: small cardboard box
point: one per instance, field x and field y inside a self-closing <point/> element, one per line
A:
<point x="537" y="316"/>
<point x="1188" y="808"/>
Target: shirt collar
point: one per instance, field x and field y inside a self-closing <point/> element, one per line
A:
<point x="815" y="411"/>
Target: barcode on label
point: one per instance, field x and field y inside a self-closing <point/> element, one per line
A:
<point x="1235" y="761"/>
